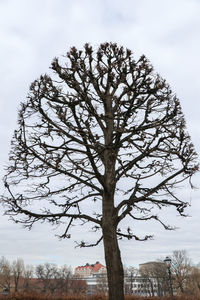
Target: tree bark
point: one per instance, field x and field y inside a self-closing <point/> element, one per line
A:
<point x="114" y="265"/>
<point x="115" y="273"/>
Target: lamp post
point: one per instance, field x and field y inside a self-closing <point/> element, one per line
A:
<point x="168" y="262"/>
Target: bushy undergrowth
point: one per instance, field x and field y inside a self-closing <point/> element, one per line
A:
<point x="96" y="297"/>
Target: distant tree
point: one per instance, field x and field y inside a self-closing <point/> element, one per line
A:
<point x="54" y="279"/>
<point x="192" y="286"/>
<point x="63" y="279"/>
<point x="155" y="274"/>
<point x="5" y="274"/>
<point x="28" y="276"/>
<point x="47" y="274"/>
<point x="102" y="284"/>
<point x="102" y="141"/>
<point x="181" y="269"/>
<point x="78" y="286"/>
<point x="17" y="269"/>
<point x="130" y="273"/>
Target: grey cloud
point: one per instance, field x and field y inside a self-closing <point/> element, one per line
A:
<point x="32" y="33"/>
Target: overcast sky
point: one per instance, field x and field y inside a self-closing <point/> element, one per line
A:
<point x="32" y="33"/>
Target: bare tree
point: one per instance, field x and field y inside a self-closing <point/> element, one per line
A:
<point x="192" y="286"/>
<point x="17" y="269"/>
<point x="155" y="274"/>
<point x="53" y="278"/>
<point x="181" y="269"/>
<point x="28" y="275"/>
<point x="102" y="284"/>
<point x="5" y="274"/>
<point x="78" y="286"/>
<point x="103" y="132"/>
<point x="47" y="273"/>
<point x="130" y="273"/>
<point x="63" y="279"/>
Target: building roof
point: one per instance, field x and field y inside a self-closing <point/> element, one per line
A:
<point x="152" y="263"/>
<point x="93" y="267"/>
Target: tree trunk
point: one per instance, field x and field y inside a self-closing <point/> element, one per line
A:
<point x="115" y="273"/>
<point x="152" y="288"/>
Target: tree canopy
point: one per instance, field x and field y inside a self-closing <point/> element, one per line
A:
<point x="100" y="140"/>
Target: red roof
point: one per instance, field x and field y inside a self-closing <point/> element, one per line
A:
<point x="93" y="267"/>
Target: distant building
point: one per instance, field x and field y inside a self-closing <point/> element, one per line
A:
<point x="95" y="277"/>
<point x="89" y="270"/>
<point x="151" y="264"/>
<point x="155" y="280"/>
<point x="149" y="281"/>
<point x="136" y="285"/>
